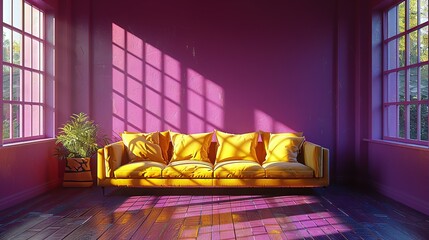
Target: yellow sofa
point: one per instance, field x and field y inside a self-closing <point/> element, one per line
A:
<point x="311" y="169"/>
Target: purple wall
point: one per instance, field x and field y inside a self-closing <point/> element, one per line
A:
<point x="234" y="66"/>
<point x="400" y="173"/>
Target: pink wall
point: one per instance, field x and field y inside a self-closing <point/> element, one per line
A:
<point x="26" y="170"/>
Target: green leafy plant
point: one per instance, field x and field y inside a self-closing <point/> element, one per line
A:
<point x="77" y="138"/>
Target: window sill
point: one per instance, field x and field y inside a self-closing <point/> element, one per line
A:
<point x="398" y="144"/>
<point x="27" y="143"/>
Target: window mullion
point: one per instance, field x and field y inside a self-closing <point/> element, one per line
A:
<point x="408" y="104"/>
<point x="10" y="121"/>
<point x="407" y="71"/>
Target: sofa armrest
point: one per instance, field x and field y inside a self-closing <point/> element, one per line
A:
<point x="109" y="158"/>
<point x="314" y="158"/>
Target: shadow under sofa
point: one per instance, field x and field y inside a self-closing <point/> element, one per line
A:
<point x="115" y="169"/>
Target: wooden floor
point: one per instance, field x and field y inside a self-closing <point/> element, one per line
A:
<point x="329" y="213"/>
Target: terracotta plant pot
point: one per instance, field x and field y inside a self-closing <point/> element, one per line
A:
<point x="77" y="173"/>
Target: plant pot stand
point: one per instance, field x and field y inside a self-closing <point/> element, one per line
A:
<point x="77" y="173"/>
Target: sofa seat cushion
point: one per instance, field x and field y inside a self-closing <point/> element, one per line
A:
<point x="239" y="169"/>
<point x="188" y="169"/>
<point x="143" y="169"/>
<point x="287" y="170"/>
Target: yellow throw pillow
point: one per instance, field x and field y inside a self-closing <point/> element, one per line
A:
<point x="163" y="141"/>
<point x="283" y="147"/>
<point x="266" y="137"/>
<point x="236" y="146"/>
<point x="191" y="146"/>
<point x="143" y="147"/>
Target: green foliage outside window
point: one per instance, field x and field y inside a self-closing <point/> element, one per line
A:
<point x="412" y="48"/>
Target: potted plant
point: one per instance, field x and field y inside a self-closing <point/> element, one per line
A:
<point x="76" y="144"/>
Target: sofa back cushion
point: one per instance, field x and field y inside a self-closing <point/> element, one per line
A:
<point x="143" y="147"/>
<point x="190" y="146"/>
<point x="283" y="148"/>
<point x="260" y="152"/>
<point x="236" y="146"/>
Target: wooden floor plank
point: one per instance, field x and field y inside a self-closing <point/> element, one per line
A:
<point x="94" y="227"/>
<point x="331" y="213"/>
<point x="21" y="225"/>
<point x="144" y="230"/>
<point x="68" y="228"/>
<point x="44" y="234"/>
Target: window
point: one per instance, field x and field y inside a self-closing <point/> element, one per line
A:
<point x="405" y="72"/>
<point x="23" y="95"/>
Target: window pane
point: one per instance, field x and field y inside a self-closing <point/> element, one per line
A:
<point x="27" y="121"/>
<point x="17" y="47"/>
<point x="413" y="121"/>
<point x="401" y="52"/>
<point x="423" y="44"/>
<point x="6" y="121"/>
<point x="392" y="53"/>
<point x="412" y="20"/>
<point x="401" y="87"/>
<point x="402" y="121"/>
<point x="413" y="84"/>
<point x="401" y="17"/>
<point x="41" y="84"/>
<point x="42" y="21"/>
<point x="391" y="121"/>
<point x="36" y="59"/>
<point x="423" y="11"/>
<point x="6" y="83"/>
<point x="414" y="51"/>
<point x="27" y="52"/>
<point x="7" y="47"/>
<point x="27" y="18"/>
<point x="7" y="11"/>
<point x="36" y="120"/>
<point x="16" y="84"/>
<point x="424" y="84"/>
<point x="16" y="120"/>
<point x="392" y="87"/>
<point x="41" y="120"/>
<point x="424" y="122"/>
<point x="36" y="22"/>
<point x="41" y="57"/>
<point x="392" y="22"/>
<point x="36" y="88"/>
<point x="27" y="86"/>
<point x="17" y="13"/>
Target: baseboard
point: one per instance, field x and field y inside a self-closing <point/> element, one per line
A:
<point x="406" y="199"/>
<point x="27" y="194"/>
